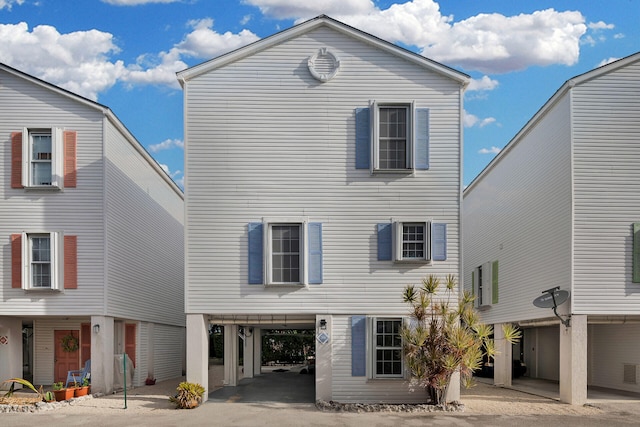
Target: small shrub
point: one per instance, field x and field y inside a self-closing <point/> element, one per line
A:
<point x="189" y="395"/>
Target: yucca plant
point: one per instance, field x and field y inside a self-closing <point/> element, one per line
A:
<point x="444" y="335"/>
<point x="25" y="383"/>
<point x="189" y="395"/>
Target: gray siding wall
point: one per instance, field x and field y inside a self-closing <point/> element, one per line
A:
<point x="519" y="213"/>
<point x="74" y="211"/>
<point x="611" y="347"/>
<point x="169" y="352"/>
<point x="144" y="230"/>
<point x="265" y="139"/>
<point x="607" y="191"/>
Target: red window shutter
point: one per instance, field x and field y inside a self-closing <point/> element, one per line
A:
<point x="70" y="167"/>
<point x="70" y="262"/>
<point x="85" y="343"/>
<point x="16" y="160"/>
<point x="16" y="260"/>
<point x="130" y="341"/>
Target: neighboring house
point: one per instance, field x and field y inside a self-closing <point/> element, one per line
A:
<point x="560" y="206"/>
<point x="323" y="176"/>
<point x="93" y="242"/>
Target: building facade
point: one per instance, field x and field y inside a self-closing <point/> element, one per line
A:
<point x="560" y="207"/>
<point x="323" y="176"/>
<point x="93" y="230"/>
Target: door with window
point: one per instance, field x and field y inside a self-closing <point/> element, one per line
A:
<point x="65" y="360"/>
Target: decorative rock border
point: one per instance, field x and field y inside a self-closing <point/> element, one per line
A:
<point x="46" y="406"/>
<point x="332" y="406"/>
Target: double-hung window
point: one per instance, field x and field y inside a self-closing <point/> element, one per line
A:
<point x="412" y="241"/>
<point x="40" y="260"/>
<point x="485" y="284"/>
<point x="285" y="251"/>
<point x="388" y="356"/>
<point x="43" y="156"/>
<point x="392" y="137"/>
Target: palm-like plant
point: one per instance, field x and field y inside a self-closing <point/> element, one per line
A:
<point x="444" y="335"/>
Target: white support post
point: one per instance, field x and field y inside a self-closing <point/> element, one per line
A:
<point x="10" y="350"/>
<point x="247" y="358"/>
<point x="324" y="367"/>
<point x="231" y="355"/>
<point x="502" y="361"/>
<point x="573" y="361"/>
<point x="198" y="351"/>
<point x="102" y="352"/>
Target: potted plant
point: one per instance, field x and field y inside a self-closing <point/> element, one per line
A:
<point x="82" y="390"/>
<point x="189" y="395"/>
<point x="49" y="397"/>
<point x="62" y="393"/>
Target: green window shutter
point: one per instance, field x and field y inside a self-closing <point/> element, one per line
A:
<point x="636" y="252"/>
<point x="494" y="283"/>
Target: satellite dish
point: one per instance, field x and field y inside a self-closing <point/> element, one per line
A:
<point x="551" y="299"/>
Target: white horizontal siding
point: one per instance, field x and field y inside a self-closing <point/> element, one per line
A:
<point x="169" y="351"/>
<point x="346" y="388"/>
<point x="74" y="211"/>
<point x="607" y="191"/>
<point x="144" y="229"/>
<point x="519" y="214"/>
<point x="264" y="139"/>
<point x="45" y="347"/>
<point x="611" y="347"/>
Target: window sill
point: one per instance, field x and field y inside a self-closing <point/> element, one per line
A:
<point x="387" y="379"/>
<point x="42" y="188"/>
<point x="42" y="290"/>
<point x="412" y="261"/>
<point x="392" y="171"/>
<point x="284" y="285"/>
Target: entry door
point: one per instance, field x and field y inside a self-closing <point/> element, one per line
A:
<point x="64" y="360"/>
<point x="130" y="341"/>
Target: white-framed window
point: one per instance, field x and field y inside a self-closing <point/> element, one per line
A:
<point x="393" y="144"/>
<point x="41" y="255"/>
<point x="387" y="357"/>
<point x="411" y="240"/>
<point x="42" y="154"/>
<point x="285" y="253"/>
<point x="485" y="284"/>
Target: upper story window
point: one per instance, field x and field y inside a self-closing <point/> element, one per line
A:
<point x="44" y="260"/>
<point x="484" y="280"/>
<point x="40" y="144"/>
<point x="393" y="151"/>
<point x="284" y="251"/>
<point x="43" y="158"/>
<point x="392" y="137"/>
<point x="412" y="241"/>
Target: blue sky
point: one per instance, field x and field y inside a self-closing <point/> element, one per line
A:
<point x="125" y="53"/>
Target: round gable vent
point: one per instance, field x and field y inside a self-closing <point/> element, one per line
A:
<point x="324" y="65"/>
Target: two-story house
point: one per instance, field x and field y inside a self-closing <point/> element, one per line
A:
<point x="560" y="207"/>
<point x="323" y="171"/>
<point x="92" y="260"/>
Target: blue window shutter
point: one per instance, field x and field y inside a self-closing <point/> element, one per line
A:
<point x="636" y="252"/>
<point x="315" y="253"/>
<point x="358" y="346"/>
<point x="439" y="241"/>
<point x="422" y="138"/>
<point x="256" y="273"/>
<point x="363" y="138"/>
<point x="385" y="242"/>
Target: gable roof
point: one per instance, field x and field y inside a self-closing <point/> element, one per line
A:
<point x="312" y="24"/>
<point x="563" y="90"/>
<point x="110" y="115"/>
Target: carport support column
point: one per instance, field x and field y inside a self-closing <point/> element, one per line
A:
<point x="198" y="351"/>
<point x="247" y="357"/>
<point x="324" y="368"/>
<point x="102" y="352"/>
<point x="231" y="355"/>
<point x="502" y="361"/>
<point x="11" y="350"/>
<point x="257" y="351"/>
<point x="573" y="361"/>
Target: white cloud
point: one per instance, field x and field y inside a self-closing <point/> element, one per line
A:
<point x="607" y="61"/>
<point x="492" y="150"/>
<point x="7" y="4"/>
<point x="245" y="19"/>
<point x="202" y="42"/>
<point x="167" y="144"/>
<point x="491" y="43"/>
<point x="470" y="120"/>
<point x="484" y="83"/>
<point x="287" y="9"/>
<point x="76" y="61"/>
<point x="177" y="176"/>
<point x="600" y="25"/>
<point x="618" y="36"/>
<point x="136" y="2"/>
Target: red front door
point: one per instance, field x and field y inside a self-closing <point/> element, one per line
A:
<point x="65" y="361"/>
<point x="130" y="341"/>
